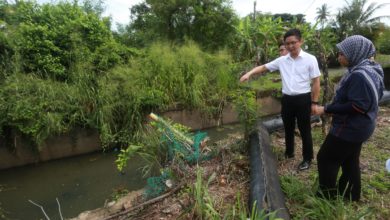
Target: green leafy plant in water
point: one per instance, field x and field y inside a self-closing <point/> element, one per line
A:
<point x="148" y="148"/>
<point x="125" y="155"/>
<point x="245" y="104"/>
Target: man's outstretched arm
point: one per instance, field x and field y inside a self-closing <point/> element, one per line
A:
<point x="257" y="70"/>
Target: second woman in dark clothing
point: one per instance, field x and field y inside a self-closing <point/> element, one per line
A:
<point x="354" y="111"/>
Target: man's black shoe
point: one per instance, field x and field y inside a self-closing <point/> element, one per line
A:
<point x="304" y="165"/>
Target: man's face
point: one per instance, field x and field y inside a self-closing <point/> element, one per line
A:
<point x="293" y="45"/>
<point x="282" y="50"/>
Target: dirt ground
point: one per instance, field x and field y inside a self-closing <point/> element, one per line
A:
<point x="231" y="172"/>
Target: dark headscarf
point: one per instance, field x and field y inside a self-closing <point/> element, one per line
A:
<point x="358" y="50"/>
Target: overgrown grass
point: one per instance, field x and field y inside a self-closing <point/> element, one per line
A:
<point x="304" y="204"/>
<point x="116" y="102"/>
<point x="165" y="76"/>
<point x="267" y="82"/>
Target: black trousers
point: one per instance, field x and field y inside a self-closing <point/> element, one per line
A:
<point x="333" y="154"/>
<point x="297" y="108"/>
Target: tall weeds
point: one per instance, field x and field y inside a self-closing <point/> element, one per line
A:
<point x="163" y="77"/>
<point x="116" y="102"/>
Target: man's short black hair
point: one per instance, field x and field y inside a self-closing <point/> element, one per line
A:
<point x="293" y="32"/>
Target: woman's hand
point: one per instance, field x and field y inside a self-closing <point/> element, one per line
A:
<point x="317" y="109"/>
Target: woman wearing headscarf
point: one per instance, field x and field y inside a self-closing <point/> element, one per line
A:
<point x="354" y="110"/>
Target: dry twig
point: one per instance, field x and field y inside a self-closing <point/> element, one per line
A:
<point x="149" y="202"/>
<point x="43" y="210"/>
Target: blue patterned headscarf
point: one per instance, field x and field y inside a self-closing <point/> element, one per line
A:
<point x="356" y="49"/>
<point x="359" y="50"/>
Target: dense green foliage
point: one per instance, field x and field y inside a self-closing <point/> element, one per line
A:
<point x="383" y="42"/>
<point x="257" y="42"/>
<point x="357" y="17"/>
<point x="39" y="108"/>
<point x="210" y="23"/>
<point x="62" y="67"/>
<point x="52" y="56"/>
<point x="52" y="40"/>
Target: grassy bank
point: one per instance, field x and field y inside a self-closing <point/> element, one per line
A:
<point x="300" y="187"/>
<point x="218" y="188"/>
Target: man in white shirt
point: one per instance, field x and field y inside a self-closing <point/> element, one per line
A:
<point x="300" y="87"/>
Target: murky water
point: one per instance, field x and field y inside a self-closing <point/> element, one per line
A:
<point x="80" y="183"/>
<point x="219" y="133"/>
